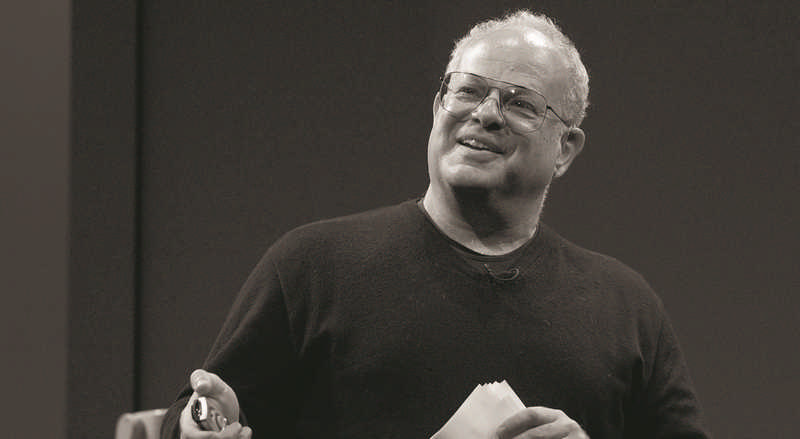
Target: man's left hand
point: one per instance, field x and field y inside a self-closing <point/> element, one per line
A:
<point x="540" y="423"/>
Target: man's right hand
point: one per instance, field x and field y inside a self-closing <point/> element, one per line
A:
<point x="212" y="387"/>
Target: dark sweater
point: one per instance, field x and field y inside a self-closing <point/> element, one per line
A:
<point x="372" y="326"/>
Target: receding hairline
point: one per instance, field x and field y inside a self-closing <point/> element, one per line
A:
<point x="467" y="42"/>
<point x="540" y="53"/>
<point x="524" y="21"/>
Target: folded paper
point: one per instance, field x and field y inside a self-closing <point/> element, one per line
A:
<point x="482" y="412"/>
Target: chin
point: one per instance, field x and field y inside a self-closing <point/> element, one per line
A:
<point x="468" y="178"/>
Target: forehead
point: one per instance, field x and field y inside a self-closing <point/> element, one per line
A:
<point x="526" y="58"/>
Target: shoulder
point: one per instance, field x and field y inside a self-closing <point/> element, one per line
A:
<point x="352" y="233"/>
<point x="585" y="260"/>
<point x="604" y="272"/>
<point x="616" y="293"/>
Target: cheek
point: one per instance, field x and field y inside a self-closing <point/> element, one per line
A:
<point x="536" y="162"/>
<point x="438" y="142"/>
<point x="442" y="135"/>
<point x="543" y="152"/>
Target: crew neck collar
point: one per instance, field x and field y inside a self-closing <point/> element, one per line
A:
<point x="449" y="253"/>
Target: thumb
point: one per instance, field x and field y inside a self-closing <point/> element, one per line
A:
<point x="206" y="383"/>
<point x="217" y="391"/>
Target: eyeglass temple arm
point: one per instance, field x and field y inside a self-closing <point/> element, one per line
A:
<point x="552" y="110"/>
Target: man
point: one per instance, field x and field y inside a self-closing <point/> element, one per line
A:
<point x="380" y="324"/>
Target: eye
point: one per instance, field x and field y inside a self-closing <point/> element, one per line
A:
<point x="523" y="105"/>
<point x="465" y="90"/>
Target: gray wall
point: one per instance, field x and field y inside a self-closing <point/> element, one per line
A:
<point x="258" y="118"/>
<point x="193" y="148"/>
<point x="34" y="150"/>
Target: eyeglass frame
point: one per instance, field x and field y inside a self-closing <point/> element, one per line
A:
<point x="500" y="104"/>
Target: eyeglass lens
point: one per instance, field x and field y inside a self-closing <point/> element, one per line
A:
<point x="523" y="109"/>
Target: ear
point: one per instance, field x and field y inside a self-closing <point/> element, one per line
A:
<point x="571" y="145"/>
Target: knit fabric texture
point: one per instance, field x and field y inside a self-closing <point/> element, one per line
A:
<point x="373" y="326"/>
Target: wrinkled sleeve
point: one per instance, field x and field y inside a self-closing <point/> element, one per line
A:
<point x="254" y="353"/>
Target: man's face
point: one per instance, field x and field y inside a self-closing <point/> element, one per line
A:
<point x="479" y="150"/>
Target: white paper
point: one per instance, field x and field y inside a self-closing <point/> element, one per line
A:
<point x="482" y="412"/>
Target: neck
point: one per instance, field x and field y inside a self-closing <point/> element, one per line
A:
<point x="484" y="222"/>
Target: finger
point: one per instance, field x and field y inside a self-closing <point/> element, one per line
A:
<point x="189" y="428"/>
<point x="207" y="384"/>
<point x="526" y="419"/>
<point x="246" y="433"/>
<point x="232" y="431"/>
<point x="193" y="431"/>
<point x="553" y="430"/>
<point x="561" y="426"/>
<point x="568" y="429"/>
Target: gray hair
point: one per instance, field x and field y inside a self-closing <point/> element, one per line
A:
<point x="577" y="98"/>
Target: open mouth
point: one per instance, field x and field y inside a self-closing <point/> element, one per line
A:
<point x="473" y="143"/>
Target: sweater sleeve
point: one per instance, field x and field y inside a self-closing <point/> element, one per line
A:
<point x="672" y="409"/>
<point x="254" y="353"/>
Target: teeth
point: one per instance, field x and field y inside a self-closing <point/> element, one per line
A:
<point x="472" y="143"/>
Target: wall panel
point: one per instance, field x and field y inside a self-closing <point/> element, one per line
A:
<point x="258" y="118"/>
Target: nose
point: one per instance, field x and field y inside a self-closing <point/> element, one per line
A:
<point x="488" y="112"/>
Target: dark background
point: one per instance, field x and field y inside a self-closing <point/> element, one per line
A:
<point x="200" y="132"/>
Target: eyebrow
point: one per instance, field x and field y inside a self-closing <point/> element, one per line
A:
<point x="500" y="81"/>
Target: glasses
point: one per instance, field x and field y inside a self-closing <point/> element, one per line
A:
<point x="523" y="109"/>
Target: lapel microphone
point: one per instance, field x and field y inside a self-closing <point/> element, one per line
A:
<point x="506" y="275"/>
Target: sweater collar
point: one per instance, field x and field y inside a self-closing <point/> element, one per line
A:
<point x="449" y="254"/>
